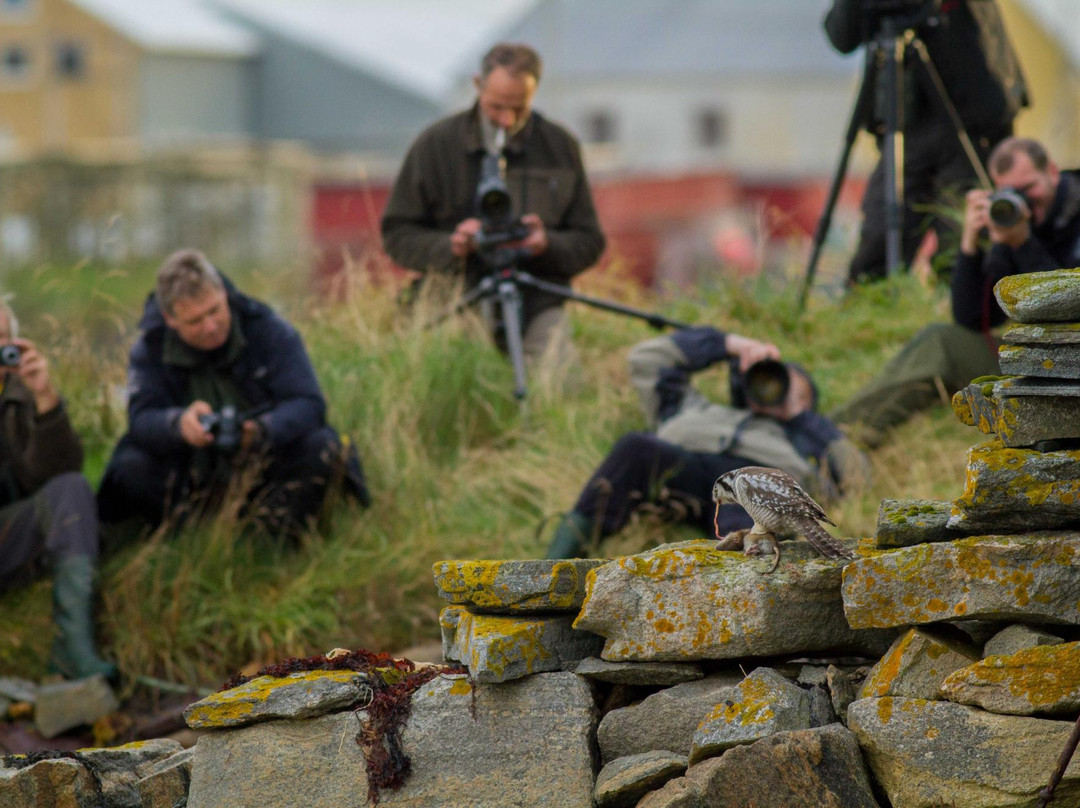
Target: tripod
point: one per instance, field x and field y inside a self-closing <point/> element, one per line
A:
<point x="886" y="50"/>
<point x="504" y="285"/>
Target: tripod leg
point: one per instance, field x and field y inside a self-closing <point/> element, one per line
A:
<point x="510" y="300"/>
<point x="892" y="150"/>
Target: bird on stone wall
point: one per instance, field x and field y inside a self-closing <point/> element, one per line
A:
<point x="779" y="507"/>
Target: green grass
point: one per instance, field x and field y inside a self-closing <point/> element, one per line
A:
<point x="456" y="467"/>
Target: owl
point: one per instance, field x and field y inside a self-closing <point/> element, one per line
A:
<point x="779" y="507"/>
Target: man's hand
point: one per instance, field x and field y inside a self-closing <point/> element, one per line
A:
<point x="749" y="350"/>
<point x="462" y="239"/>
<point x="33" y="369"/>
<point x="191" y="430"/>
<point x="536" y="243"/>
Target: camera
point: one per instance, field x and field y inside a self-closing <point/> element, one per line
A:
<point x="226" y="425"/>
<point x="765" y="383"/>
<point x="10" y="356"/>
<point x="495" y="209"/>
<point x="1008" y="207"/>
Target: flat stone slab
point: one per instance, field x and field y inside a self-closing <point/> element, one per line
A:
<point x="61" y="706"/>
<point x="1043" y="680"/>
<point x="1044" y="361"/>
<point x="497" y="648"/>
<point x="1066" y="333"/>
<point x="763" y="703"/>
<point x="907" y="522"/>
<point x="917" y="664"/>
<point x="1041" y="297"/>
<point x="623" y="782"/>
<point x="1032" y="577"/>
<point x="690" y="601"/>
<point x="17" y="689"/>
<point x="1017" y="637"/>
<point x="299" y="695"/>
<point x="639" y="673"/>
<point x="503" y="745"/>
<point x="1009" y="489"/>
<point x="1021" y="411"/>
<point x="515" y="587"/>
<point x="934" y="753"/>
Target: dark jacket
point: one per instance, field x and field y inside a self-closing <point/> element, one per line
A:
<point x="809" y="447"/>
<point x="967" y="44"/>
<point x="1054" y="244"/>
<point x="436" y="188"/>
<point x="33" y="448"/>
<point x="273" y="368"/>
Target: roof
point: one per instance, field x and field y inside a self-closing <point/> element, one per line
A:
<point x="424" y="46"/>
<point x="627" y="38"/>
<point x="184" y="26"/>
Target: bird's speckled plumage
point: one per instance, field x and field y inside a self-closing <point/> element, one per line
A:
<point x="779" y="506"/>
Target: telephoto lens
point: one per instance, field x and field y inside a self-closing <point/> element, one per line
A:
<point x="1007" y="207"/>
<point x="10" y="355"/>
<point x="766" y="383"/>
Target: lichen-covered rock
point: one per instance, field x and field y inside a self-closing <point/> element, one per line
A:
<point x="515" y="587"/>
<point x="65" y="782"/>
<point x="927" y="754"/>
<point x="917" y="664"/>
<point x="497" y="648"/>
<point x="501" y="745"/>
<point x="809" y="768"/>
<point x="907" y="522"/>
<point x="166" y="784"/>
<point x="1017" y="637"/>
<point x="1021" y="411"/>
<point x="1043" y="361"/>
<point x="639" y="673"/>
<point x="1041" y="297"/>
<point x="1013" y="490"/>
<point x="304" y="694"/>
<point x="690" y="601"/>
<point x="1030" y="577"/>
<point x="1043" y="680"/>
<point x="664" y="720"/>
<point x="763" y="703"/>
<point x="623" y="782"/>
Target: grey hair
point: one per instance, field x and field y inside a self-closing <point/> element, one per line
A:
<point x="9" y="315"/>
<point x="184" y="275"/>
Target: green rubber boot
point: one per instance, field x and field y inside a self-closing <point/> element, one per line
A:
<point x="571" y="536"/>
<point x="74" y="654"/>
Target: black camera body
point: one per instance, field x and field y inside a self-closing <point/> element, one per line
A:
<point x="10" y="355"/>
<point x="227" y="427"/>
<point x="495" y="209"/>
<point x="765" y="383"/>
<point x="1008" y="206"/>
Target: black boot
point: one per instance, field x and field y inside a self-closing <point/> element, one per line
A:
<point x="74" y="654"/>
<point x="572" y="533"/>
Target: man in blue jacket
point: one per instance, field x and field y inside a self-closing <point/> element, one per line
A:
<point x="944" y="357"/>
<point x="206" y="351"/>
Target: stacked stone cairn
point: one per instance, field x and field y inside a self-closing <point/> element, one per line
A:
<point x="939" y="668"/>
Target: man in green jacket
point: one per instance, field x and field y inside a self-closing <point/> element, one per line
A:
<point x="431" y="221"/>
<point x="47" y="511"/>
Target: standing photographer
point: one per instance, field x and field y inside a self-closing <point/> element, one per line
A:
<point x="219" y="383"/>
<point x="1030" y="224"/>
<point x="970" y="51"/>
<point x="431" y="222"/>
<point x="47" y="516"/>
<point x="696" y="439"/>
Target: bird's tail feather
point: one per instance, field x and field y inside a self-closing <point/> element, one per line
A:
<point x="825" y="543"/>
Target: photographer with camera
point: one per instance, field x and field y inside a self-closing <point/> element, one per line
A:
<point x="48" y="521"/>
<point x="771" y="421"/>
<point x="1031" y="223"/>
<point x="959" y="62"/>
<point x="219" y="383"/>
<point x="434" y="221"/>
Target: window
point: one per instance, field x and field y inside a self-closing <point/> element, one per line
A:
<point x="712" y="128"/>
<point x="600" y="127"/>
<point x="70" y="60"/>
<point x="15" y="62"/>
